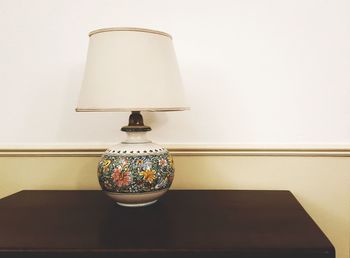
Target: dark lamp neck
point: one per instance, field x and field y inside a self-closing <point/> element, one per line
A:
<point x="136" y="123"/>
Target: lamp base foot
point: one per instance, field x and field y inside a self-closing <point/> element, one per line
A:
<point x="136" y="204"/>
<point x="136" y="199"/>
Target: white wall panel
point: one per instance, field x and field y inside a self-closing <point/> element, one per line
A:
<point x="256" y="72"/>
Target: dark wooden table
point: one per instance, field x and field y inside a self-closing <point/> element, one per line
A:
<point x="182" y="224"/>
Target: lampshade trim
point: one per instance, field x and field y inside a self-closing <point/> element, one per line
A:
<point x="131" y="109"/>
<point x="129" y="29"/>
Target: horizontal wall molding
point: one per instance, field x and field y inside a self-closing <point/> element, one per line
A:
<point x="181" y="151"/>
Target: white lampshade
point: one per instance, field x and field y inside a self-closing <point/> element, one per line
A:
<point x="131" y="69"/>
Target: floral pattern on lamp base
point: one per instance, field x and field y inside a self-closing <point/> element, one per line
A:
<point x="136" y="174"/>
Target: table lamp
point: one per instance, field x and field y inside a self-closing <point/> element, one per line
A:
<point x="132" y="70"/>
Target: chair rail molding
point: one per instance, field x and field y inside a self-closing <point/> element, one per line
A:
<point x="182" y="150"/>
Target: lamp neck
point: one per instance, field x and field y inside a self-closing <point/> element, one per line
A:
<point x="136" y="123"/>
<point x="136" y="137"/>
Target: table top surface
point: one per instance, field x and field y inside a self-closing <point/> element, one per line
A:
<point x="184" y="221"/>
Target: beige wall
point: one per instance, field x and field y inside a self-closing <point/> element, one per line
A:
<point x="321" y="184"/>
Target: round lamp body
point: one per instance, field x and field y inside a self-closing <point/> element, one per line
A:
<point x="136" y="172"/>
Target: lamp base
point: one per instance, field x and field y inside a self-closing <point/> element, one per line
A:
<point x="136" y="172"/>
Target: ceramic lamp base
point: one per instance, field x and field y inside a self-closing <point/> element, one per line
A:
<point x="136" y="172"/>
